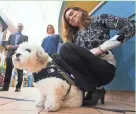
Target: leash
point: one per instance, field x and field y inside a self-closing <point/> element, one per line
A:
<point x="16" y="99"/>
<point x="65" y="75"/>
<point x="113" y="110"/>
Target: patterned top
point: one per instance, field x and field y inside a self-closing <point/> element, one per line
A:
<point x="99" y="28"/>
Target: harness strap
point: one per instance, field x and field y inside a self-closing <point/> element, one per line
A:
<point x="68" y="90"/>
<point x="67" y="77"/>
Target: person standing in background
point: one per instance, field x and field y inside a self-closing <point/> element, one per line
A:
<point x="13" y="42"/>
<point x="30" y="79"/>
<point x="51" y="43"/>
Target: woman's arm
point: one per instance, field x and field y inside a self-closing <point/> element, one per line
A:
<point x="126" y="29"/>
<point x="125" y="26"/>
<point x="9" y="46"/>
<point x="43" y="42"/>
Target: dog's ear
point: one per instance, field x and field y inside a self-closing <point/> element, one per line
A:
<point x="41" y="58"/>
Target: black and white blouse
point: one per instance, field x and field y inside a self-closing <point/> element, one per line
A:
<point x="98" y="32"/>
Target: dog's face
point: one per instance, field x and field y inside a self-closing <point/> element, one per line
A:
<point x="31" y="57"/>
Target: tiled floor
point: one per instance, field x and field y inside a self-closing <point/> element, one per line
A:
<point x="12" y="106"/>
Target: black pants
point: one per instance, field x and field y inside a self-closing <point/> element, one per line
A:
<point x="8" y="73"/>
<point x="89" y="70"/>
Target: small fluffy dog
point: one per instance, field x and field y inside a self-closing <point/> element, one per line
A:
<point x="55" y="93"/>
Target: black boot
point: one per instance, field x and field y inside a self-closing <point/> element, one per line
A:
<point x="5" y="88"/>
<point x="97" y="95"/>
<point x="88" y="96"/>
<point x="17" y="90"/>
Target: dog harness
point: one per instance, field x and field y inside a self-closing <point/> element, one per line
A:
<point x="53" y="70"/>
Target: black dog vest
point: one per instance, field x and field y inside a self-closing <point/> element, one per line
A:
<point x="53" y="70"/>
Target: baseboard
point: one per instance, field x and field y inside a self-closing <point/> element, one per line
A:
<point x="125" y="96"/>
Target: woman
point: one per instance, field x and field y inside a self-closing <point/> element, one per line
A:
<point x="51" y="43"/>
<point x="90" y="57"/>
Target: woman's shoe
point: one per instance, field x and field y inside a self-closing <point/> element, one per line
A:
<point x="97" y="95"/>
<point x="88" y="95"/>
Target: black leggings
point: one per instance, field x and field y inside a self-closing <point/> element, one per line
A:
<point x="91" y="70"/>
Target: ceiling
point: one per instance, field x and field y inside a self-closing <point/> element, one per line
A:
<point x="35" y="16"/>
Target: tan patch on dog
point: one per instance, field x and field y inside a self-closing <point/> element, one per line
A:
<point x="40" y="57"/>
<point x="61" y="91"/>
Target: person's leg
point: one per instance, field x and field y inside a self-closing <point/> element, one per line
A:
<point x="8" y="72"/>
<point x="83" y="80"/>
<point x="83" y="61"/>
<point x="30" y="80"/>
<point x="20" y="78"/>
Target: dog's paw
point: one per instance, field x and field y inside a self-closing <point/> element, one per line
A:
<point x="39" y="104"/>
<point x="51" y="105"/>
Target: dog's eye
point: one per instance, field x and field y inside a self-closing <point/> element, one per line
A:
<point x="28" y="50"/>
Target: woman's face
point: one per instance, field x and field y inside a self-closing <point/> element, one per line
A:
<point x="50" y="30"/>
<point x="74" y="17"/>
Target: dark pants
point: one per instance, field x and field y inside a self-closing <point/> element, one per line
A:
<point x="8" y="73"/>
<point x="89" y="70"/>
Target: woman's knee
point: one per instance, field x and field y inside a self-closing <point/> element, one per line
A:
<point x="64" y="48"/>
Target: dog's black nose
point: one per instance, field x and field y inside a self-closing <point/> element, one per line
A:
<point x="18" y="54"/>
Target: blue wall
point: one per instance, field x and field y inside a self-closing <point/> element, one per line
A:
<point x="124" y="54"/>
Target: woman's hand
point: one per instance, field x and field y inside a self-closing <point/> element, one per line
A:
<point x="15" y="47"/>
<point x="96" y="51"/>
<point x="9" y="47"/>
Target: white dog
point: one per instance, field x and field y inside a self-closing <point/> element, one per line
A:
<point x="55" y="93"/>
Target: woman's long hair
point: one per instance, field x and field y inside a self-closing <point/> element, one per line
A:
<point x="69" y="30"/>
